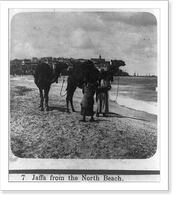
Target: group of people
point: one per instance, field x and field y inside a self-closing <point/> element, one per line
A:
<point x="101" y="89"/>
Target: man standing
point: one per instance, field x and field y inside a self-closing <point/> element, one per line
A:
<point x="102" y="96"/>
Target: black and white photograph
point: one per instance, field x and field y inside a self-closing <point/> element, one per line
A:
<point x="84" y="95"/>
<point x="83" y="85"/>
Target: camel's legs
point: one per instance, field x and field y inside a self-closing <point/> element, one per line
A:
<point x="71" y="103"/>
<point x="69" y="98"/>
<point x="67" y="101"/>
<point x="46" y="97"/>
<point x="41" y="99"/>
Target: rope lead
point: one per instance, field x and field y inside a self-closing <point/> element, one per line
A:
<point x="117" y="92"/>
<point x="62" y="89"/>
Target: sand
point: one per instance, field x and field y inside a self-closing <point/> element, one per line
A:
<point x="125" y="133"/>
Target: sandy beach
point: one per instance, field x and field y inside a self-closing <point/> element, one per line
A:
<point x="125" y="133"/>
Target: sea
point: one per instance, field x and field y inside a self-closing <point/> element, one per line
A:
<point x="138" y="93"/>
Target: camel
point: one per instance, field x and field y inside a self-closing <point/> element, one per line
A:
<point x="79" y="73"/>
<point x="44" y="76"/>
<point x="77" y="77"/>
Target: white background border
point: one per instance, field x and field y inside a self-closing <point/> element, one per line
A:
<point x="163" y="184"/>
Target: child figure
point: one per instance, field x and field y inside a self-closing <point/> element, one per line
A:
<point x="87" y="103"/>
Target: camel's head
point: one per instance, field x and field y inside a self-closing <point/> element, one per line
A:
<point x="117" y="63"/>
<point x="114" y="68"/>
<point x="59" y="67"/>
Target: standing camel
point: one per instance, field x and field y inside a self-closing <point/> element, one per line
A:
<point x="77" y="77"/>
<point x="44" y="77"/>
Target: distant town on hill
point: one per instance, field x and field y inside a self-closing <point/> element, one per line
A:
<point x="28" y="66"/>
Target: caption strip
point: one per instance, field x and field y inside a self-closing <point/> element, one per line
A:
<point x="86" y="176"/>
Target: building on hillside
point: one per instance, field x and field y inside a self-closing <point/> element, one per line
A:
<point x="34" y="59"/>
<point x="101" y="63"/>
<point x="97" y="60"/>
<point x="28" y="66"/>
<point x="26" y="62"/>
<point x="16" y="62"/>
<point x="82" y="60"/>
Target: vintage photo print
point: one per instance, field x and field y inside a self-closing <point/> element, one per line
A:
<point x="84" y="95"/>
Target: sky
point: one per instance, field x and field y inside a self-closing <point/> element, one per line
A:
<point x="128" y="36"/>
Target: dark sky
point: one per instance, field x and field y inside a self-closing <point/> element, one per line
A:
<point x="129" y="36"/>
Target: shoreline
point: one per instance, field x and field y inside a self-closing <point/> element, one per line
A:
<point x="114" y="107"/>
<point x="121" y="110"/>
<point x="139" y="105"/>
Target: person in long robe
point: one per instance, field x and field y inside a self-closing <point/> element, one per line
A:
<point x="102" y="97"/>
<point x="87" y="103"/>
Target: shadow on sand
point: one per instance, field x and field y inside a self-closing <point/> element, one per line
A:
<point x="97" y="119"/>
<point x="61" y="109"/>
<point x="112" y="114"/>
